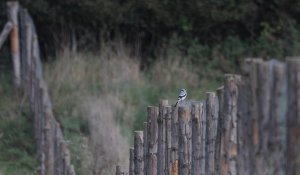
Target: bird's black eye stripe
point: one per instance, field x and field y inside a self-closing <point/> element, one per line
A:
<point x="182" y="96"/>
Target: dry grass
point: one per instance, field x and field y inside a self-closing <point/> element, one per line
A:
<point x="90" y="86"/>
<point x="107" y="145"/>
<point x="174" y="72"/>
<point x="109" y="91"/>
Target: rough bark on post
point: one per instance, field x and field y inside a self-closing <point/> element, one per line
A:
<point x="197" y="146"/>
<point x="28" y="49"/>
<point x="169" y="142"/>
<point x="161" y="146"/>
<point x="174" y="140"/>
<point x="13" y="9"/>
<point x="6" y="30"/>
<point x="248" y="137"/>
<point x="278" y="119"/>
<point x="184" y="116"/>
<point x="263" y="154"/>
<point x="138" y="153"/>
<point x="293" y="116"/>
<point x="229" y="125"/>
<point x="131" y="161"/>
<point x="145" y="149"/>
<point x="152" y="140"/>
<point x="41" y="131"/>
<point x="218" y="158"/>
<point x="120" y="170"/>
<point x="211" y="132"/>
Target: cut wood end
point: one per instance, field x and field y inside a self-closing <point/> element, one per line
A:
<point x="163" y="102"/>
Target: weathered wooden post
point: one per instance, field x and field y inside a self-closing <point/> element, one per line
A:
<point x="152" y="140"/>
<point x="120" y="170"/>
<point x="174" y="140"/>
<point x="211" y="132"/>
<point x="248" y="135"/>
<point x="13" y="10"/>
<point x="161" y="146"/>
<point x="278" y="119"/>
<point x="146" y="148"/>
<point x="169" y="141"/>
<point x="184" y="116"/>
<point x="218" y="158"/>
<point x="138" y="153"/>
<point x="197" y="143"/>
<point x="6" y="30"/>
<point x="264" y="82"/>
<point x="229" y="125"/>
<point x="293" y="116"/>
<point x="131" y="161"/>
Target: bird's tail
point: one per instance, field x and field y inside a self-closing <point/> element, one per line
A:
<point x="176" y="104"/>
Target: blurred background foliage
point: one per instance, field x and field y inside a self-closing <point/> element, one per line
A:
<point x="199" y="29"/>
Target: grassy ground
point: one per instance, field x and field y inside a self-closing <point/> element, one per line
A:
<point x="17" y="145"/>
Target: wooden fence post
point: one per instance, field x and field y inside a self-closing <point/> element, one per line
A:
<point x="152" y="140"/>
<point x="169" y="141"/>
<point x="174" y="140"/>
<point x="184" y="116"/>
<point x="219" y="153"/>
<point x="263" y="154"/>
<point x="247" y="118"/>
<point x="13" y="9"/>
<point x="161" y="145"/>
<point x="131" y="161"/>
<point x="138" y="153"/>
<point x="211" y="132"/>
<point x="6" y="30"/>
<point x="229" y="125"/>
<point x="278" y="119"/>
<point x="293" y="116"/>
<point x="197" y="143"/>
<point x="146" y="148"/>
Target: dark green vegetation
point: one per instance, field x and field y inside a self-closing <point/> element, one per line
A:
<point x="17" y="144"/>
<point x="220" y="31"/>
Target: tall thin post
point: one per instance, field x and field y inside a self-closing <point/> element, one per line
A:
<point x="220" y="146"/>
<point x="138" y="153"/>
<point x="229" y="125"/>
<point x="152" y="140"/>
<point x="131" y="161"/>
<point x="184" y="116"/>
<point x="174" y="140"/>
<point x="278" y="119"/>
<point x="196" y="139"/>
<point x="13" y="10"/>
<point x="161" y="149"/>
<point x="211" y="132"/>
<point x="247" y="129"/>
<point x="169" y="142"/>
<point x="146" y="148"/>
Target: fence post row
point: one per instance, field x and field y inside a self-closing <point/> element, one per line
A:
<point x="249" y="126"/>
<point x="53" y="153"/>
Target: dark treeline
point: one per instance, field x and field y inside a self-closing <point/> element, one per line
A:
<point x="270" y="28"/>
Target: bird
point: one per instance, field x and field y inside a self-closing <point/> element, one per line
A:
<point x="182" y="96"/>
